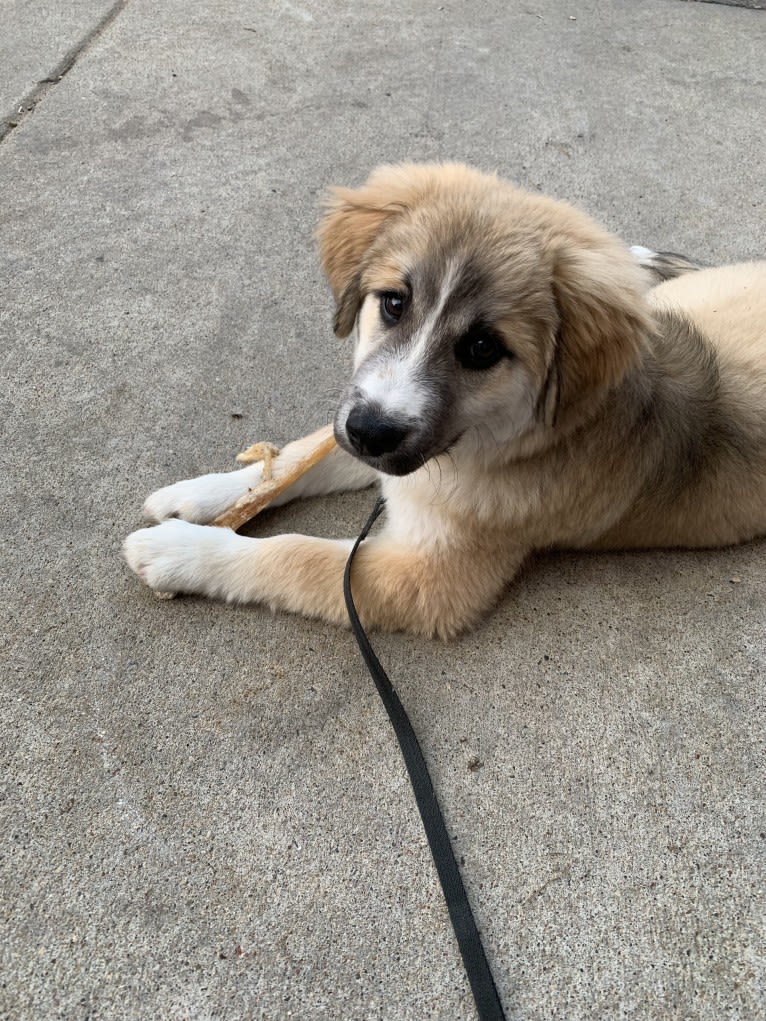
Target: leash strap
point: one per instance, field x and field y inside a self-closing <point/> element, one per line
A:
<point x="474" y="959"/>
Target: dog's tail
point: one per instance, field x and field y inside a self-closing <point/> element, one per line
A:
<point x="663" y="265"/>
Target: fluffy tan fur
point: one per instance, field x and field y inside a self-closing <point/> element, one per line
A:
<point x="646" y="412"/>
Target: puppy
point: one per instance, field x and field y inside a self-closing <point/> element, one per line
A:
<point x="518" y="384"/>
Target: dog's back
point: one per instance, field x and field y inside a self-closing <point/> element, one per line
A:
<point x="709" y="402"/>
<point x="728" y="304"/>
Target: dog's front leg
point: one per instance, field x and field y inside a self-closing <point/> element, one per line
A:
<point x="437" y="592"/>
<point x="202" y="499"/>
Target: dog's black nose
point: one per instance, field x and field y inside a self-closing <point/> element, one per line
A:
<point x="372" y="435"/>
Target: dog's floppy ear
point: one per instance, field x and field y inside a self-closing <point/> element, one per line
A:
<point x="352" y="220"/>
<point x="349" y="227"/>
<point x="604" y="318"/>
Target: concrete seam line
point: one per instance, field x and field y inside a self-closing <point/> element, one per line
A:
<point x="750" y="5"/>
<point x="29" y="102"/>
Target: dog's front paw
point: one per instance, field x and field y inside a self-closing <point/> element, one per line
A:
<point x="202" y="499"/>
<point x="177" y="556"/>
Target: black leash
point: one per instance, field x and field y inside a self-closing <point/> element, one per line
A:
<point x="474" y="959"/>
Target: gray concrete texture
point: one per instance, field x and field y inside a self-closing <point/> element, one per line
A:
<point x="204" y="811"/>
<point x="36" y="42"/>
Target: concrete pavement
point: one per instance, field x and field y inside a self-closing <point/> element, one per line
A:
<point x="204" y="812"/>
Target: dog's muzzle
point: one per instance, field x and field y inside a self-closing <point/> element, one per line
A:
<point x="388" y="443"/>
<point x="371" y="434"/>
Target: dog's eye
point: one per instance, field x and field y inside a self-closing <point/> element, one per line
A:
<point x="480" y="349"/>
<point x="391" y="306"/>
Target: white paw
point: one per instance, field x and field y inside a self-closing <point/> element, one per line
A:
<point x="202" y="499"/>
<point x="177" y="556"/>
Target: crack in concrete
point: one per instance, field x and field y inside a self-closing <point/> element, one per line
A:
<point x="750" y="5"/>
<point x="29" y="102"/>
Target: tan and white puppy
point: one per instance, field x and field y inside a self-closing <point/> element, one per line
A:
<point x="518" y="384"/>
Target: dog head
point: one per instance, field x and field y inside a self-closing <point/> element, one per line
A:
<point x="486" y="315"/>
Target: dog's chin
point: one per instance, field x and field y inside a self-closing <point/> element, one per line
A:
<point x="388" y="464"/>
<point x="391" y="464"/>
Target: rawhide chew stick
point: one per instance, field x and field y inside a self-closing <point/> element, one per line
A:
<point x="281" y="469"/>
<point x="265" y="452"/>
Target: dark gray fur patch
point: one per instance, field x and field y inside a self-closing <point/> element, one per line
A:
<point x="470" y="285"/>
<point x="682" y="411"/>
<point x="667" y="265"/>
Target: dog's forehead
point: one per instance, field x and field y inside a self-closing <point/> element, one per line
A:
<point x="458" y="262"/>
<point x="448" y="281"/>
<point x="442" y="251"/>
